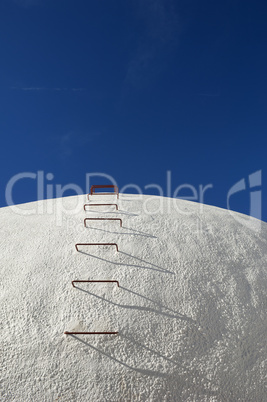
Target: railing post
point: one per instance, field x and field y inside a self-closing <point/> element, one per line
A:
<point x="96" y="244"/>
<point x="95" y="186"/>
<point x="102" y="219"/>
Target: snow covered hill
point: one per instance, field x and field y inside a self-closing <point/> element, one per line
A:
<point x="190" y="309"/>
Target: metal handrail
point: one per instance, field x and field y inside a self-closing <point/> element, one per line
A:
<point x="94" y="281"/>
<point x="98" y="205"/>
<point x="102" y="219"/>
<point x="90" y="333"/>
<point x="96" y="244"/>
<point x="93" y="187"/>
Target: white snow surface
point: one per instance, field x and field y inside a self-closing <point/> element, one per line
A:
<point x="190" y="309"/>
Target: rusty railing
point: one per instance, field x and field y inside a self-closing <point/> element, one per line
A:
<point x="94" y="281"/>
<point x="94" y="187"/>
<point x="98" y="205"/>
<point x="102" y="219"/>
<point x="96" y="244"/>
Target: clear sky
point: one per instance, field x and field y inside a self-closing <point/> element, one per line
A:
<point x="133" y="89"/>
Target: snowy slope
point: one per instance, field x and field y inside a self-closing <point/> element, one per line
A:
<point x="190" y="309"/>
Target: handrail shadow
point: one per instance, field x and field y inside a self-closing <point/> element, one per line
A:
<point x="177" y="315"/>
<point x="173" y="314"/>
<point x="139" y="233"/>
<point x="159" y="269"/>
<point x="146" y="262"/>
<point x="141" y="371"/>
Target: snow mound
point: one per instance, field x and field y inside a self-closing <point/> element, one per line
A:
<point x="190" y="309"/>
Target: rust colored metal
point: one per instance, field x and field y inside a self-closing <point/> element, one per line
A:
<point x="94" y="281"/>
<point x="96" y="186"/>
<point x="102" y="219"/>
<point x="90" y="333"/>
<point x="96" y="244"/>
<point x="98" y="205"/>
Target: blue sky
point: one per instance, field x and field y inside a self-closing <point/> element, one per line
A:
<point x="134" y="88"/>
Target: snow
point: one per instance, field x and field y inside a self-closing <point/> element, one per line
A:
<point x="190" y="309"/>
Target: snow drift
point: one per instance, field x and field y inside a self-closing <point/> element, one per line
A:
<point x="190" y="309"/>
